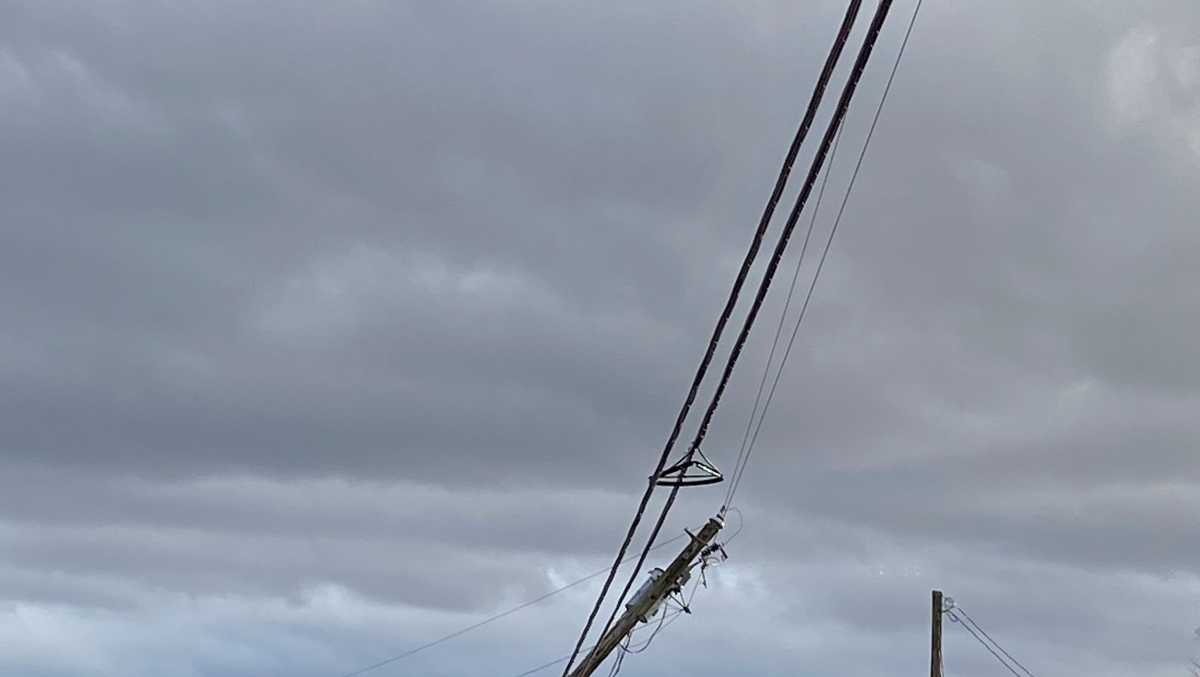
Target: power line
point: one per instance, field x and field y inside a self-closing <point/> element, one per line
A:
<point x="740" y="469"/>
<point x="727" y="311"/>
<point x="543" y="666"/>
<point x="787" y="304"/>
<point x="979" y="639"/>
<point x="959" y="610"/>
<point x="491" y="619"/>
<point x="741" y="524"/>
<point x="667" y="619"/>
<point x="664" y="621"/>
<point x="814" y="171"/>
<point x="626" y="648"/>
<point x="617" y="663"/>
<point x="556" y="661"/>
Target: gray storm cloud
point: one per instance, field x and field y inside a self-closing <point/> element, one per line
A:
<point x="330" y="329"/>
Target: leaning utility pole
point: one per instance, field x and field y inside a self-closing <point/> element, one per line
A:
<point x="935" y="649"/>
<point x="646" y="601"/>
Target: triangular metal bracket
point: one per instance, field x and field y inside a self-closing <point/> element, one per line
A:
<point x="693" y="470"/>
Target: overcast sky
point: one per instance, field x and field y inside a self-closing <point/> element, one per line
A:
<point x="328" y="328"/>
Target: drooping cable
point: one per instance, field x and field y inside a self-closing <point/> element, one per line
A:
<point x="664" y="621"/>
<point x="491" y="619"/>
<point x="727" y="311"/>
<point x="814" y="171"/>
<point x="618" y="660"/>
<point x="739" y="469"/>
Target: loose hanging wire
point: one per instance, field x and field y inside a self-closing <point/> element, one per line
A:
<point x="550" y="664"/>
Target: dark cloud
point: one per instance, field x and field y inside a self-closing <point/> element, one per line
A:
<point x="329" y="329"/>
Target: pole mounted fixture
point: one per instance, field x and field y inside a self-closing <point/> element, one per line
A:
<point x="645" y="602"/>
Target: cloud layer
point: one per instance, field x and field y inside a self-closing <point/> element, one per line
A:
<point x="331" y="329"/>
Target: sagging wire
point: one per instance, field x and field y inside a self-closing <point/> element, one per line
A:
<point x="676" y="605"/>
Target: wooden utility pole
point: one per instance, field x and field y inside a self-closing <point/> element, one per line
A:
<point x="935" y="648"/>
<point x="646" y="601"/>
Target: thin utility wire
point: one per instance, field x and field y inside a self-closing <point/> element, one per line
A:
<point x="543" y="666"/>
<point x="959" y="609"/>
<point x="616" y="664"/>
<point x="667" y="619"/>
<point x="740" y="470"/>
<point x="741" y="525"/>
<point x="814" y="173"/>
<point x="722" y="320"/>
<point x="664" y="621"/>
<point x="985" y="645"/>
<point x="787" y="304"/>
<point x="625" y="648"/>
<point x="556" y="661"/>
<point x="491" y="619"/>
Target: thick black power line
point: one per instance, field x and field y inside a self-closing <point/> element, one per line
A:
<point x="814" y="173"/>
<point x="744" y="459"/>
<point x="727" y="311"/>
<point x="491" y="619"/>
